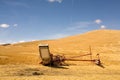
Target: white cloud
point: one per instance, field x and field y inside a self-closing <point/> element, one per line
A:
<point x="14" y="42"/>
<point x="98" y="21"/>
<point x="102" y="26"/>
<point x="33" y="40"/>
<point x="21" y="41"/>
<point x="15" y="25"/>
<point x="59" y="1"/>
<point x="1" y="43"/>
<point x="4" y="25"/>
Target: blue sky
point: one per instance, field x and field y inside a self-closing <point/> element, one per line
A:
<point x="26" y="20"/>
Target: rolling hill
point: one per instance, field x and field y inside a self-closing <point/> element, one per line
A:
<point x="21" y="60"/>
<point x="105" y="42"/>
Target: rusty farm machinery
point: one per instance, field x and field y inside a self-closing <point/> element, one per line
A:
<point x="49" y="59"/>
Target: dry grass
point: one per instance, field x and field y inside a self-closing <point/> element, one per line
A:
<point x="20" y="61"/>
<point x="72" y="72"/>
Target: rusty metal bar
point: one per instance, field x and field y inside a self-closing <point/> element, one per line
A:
<point x="77" y="60"/>
<point x="80" y="55"/>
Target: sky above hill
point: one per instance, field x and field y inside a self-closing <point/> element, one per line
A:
<point x="29" y="20"/>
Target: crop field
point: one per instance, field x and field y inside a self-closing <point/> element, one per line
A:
<point x="21" y="61"/>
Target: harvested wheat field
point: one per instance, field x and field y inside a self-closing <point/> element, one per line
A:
<point x="21" y="61"/>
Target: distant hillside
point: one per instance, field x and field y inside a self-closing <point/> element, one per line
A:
<point x="101" y="41"/>
<point x="97" y="38"/>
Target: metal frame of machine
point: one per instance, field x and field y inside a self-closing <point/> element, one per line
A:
<point x="58" y="60"/>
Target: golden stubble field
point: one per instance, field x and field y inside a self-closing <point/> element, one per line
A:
<point x="21" y="61"/>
